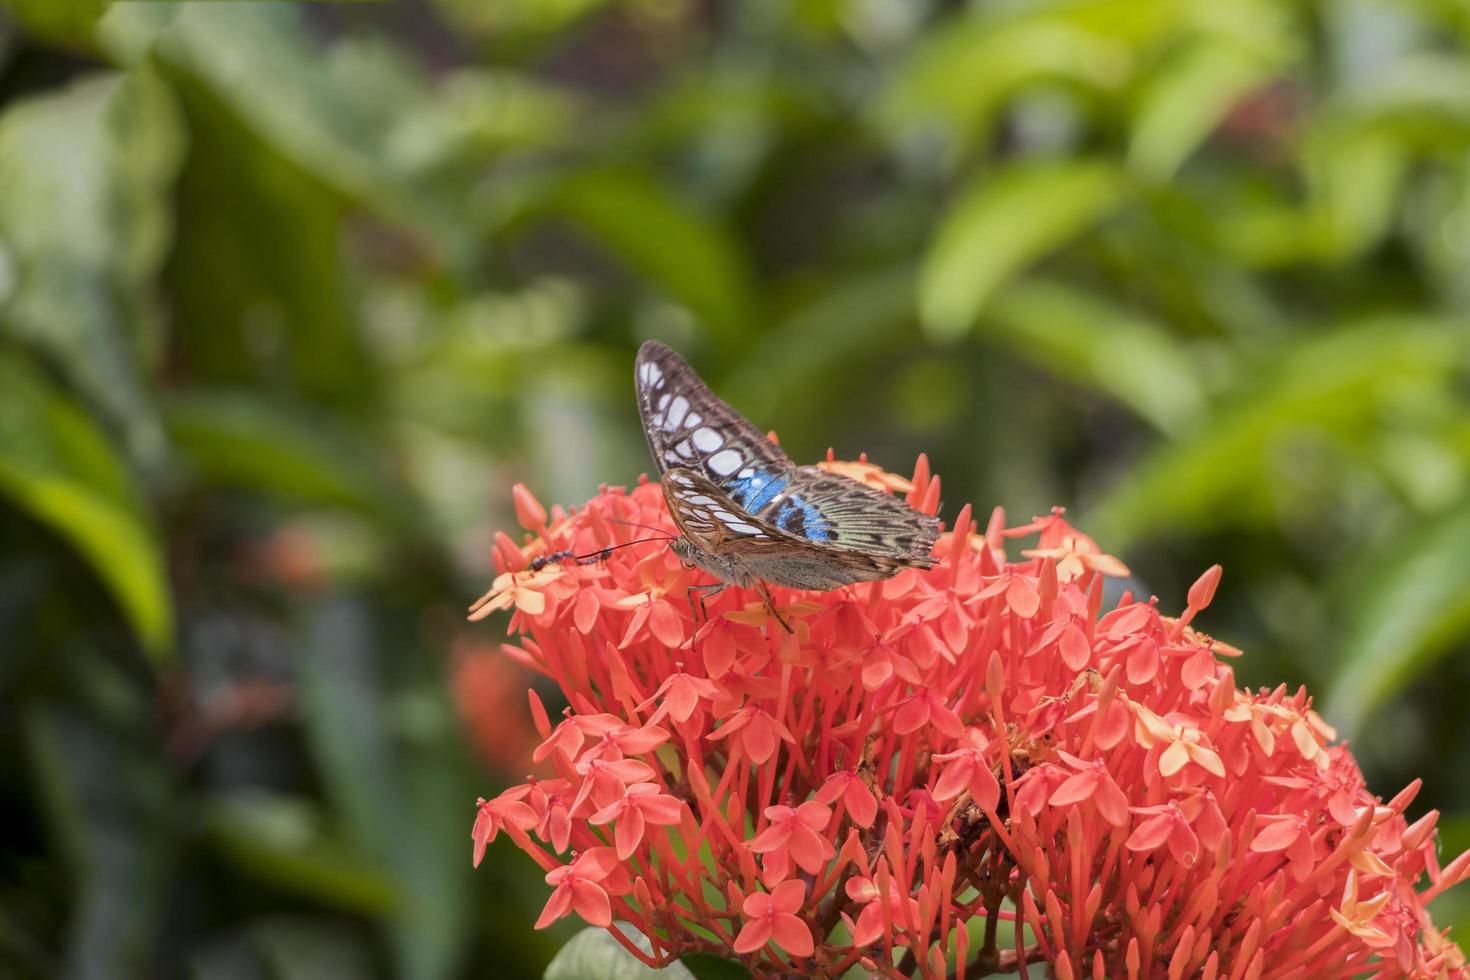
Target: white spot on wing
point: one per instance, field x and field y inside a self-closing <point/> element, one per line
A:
<point x="692" y="419"/>
<point x="724" y="462"/>
<point x="649" y="372"/>
<point x="707" y="440"/>
<point x="677" y="409"/>
<point x="663" y="401"/>
<point x="684" y="449"/>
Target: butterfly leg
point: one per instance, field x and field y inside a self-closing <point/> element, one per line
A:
<point x="702" y="592"/>
<point x="765" y="593"/>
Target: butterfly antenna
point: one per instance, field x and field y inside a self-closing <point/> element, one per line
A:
<point x="603" y="554"/>
<point x="646" y="527"/>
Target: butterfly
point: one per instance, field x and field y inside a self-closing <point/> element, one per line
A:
<point x="747" y="514"/>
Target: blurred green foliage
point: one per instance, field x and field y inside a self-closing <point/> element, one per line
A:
<point x="291" y="294"/>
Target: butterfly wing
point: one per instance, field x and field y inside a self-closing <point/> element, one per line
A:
<point x="843" y="514"/>
<point x="748" y="511"/>
<point x="688" y="426"/>
<point x="737" y="545"/>
<point x="707" y="516"/>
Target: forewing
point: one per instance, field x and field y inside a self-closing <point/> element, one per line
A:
<point x="688" y="426"/>
<point x="843" y="514"/>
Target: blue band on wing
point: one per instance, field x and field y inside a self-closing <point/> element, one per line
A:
<point x="817" y="529"/>
<point x="800" y="517"/>
<point x="756" y="491"/>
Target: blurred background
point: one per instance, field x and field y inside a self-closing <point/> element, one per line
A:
<point x="290" y="295"/>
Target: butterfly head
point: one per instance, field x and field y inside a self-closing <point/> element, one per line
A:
<point x="685" y="549"/>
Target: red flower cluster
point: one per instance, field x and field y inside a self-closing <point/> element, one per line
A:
<point x="949" y="773"/>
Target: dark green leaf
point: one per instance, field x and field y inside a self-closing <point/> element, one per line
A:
<point x="1412" y="610"/>
<point x="57" y="465"/>
<point x="706" y="966"/>
<point x="283" y="841"/>
<point x="107" y="800"/>
<point x="689" y="255"/>
<point x="244" y="441"/>
<point x="393" y="796"/>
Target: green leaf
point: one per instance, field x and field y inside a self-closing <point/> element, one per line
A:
<point x="1338" y="382"/>
<point x="283" y="841"/>
<point x="106" y="798"/>
<point x="965" y="70"/>
<point x="57" y="466"/>
<point x="1402" y="619"/>
<point x="593" y="954"/>
<point x="343" y="111"/>
<point x="242" y="440"/>
<point x="1185" y="101"/>
<point x="803" y="365"/>
<point x="85" y="219"/>
<point x="1068" y="333"/>
<point x="67" y="21"/>
<point x="707" y="966"/>
<point x="398" y="799"/>
<point x="1355" y="174"/>
<point x="1002" y="223"/>
<point x="688" y="255"/>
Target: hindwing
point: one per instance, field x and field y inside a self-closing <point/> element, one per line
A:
<point x="845" y="514"/>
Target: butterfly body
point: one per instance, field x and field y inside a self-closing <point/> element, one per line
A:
<point x="748" y="515"/>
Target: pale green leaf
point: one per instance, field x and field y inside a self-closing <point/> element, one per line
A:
<point x="962" y="74"/>
<point x="1336" y="383"/>
<point x="85" y="220"/>
<point x="1002" y="223"/>
<point x="593" y="954"/>
<point x="1186" y="100"/>
<point x="1068" y="333"/>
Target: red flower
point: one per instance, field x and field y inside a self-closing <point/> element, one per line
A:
<point x="773" y="917"/>
<point x="978" y="741"/>
<point x="507" y="809"/>
<point x="884" y="910"/>
<point x="856" y="797"/>
<point x="1093" y="783"/>
<point x="794" y="833"/>
<point x="642" y="804"/>
<point x="583" y="887"/>
<point x="968" y="769"/>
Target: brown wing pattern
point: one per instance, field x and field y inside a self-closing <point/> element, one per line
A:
<point x="707" y="516"/>
<point x="687" y="425"/>
<point x="856" y="517"/>
<point x="747" y="511"/>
